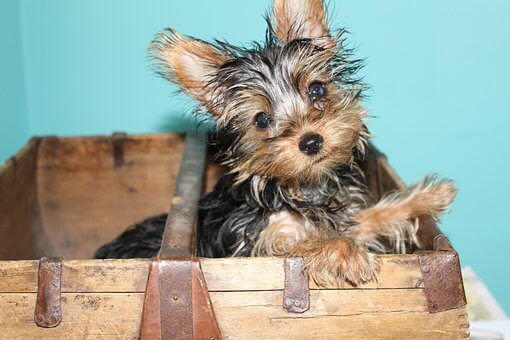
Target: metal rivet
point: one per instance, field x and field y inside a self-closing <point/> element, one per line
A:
<point x="426" y="268"/>
<point x="288" y="302"/>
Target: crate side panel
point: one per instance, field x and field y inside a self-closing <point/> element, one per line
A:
<point x="91" y="316"/>
<point x="79" y="276"/>
<point x="230" y="274"/>
<point x="18" y="216"/>
<point x="354" y="314"/>
<point x="86" y="199"/>
<point x="348" y="314"/>
<point x="267" y="273"/>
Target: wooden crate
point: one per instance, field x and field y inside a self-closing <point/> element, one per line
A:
<point x="67" y="196"/>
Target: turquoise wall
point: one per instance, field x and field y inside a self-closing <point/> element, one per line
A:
<point x="438" y="71"/>
<point x="14" y="129"/>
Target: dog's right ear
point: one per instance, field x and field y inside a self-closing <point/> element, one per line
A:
<point x="189" y="63"/>
<point x="298" y="19"/>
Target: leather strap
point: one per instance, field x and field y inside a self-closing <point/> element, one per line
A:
<point x="177" y="303"/>
<point x="151" y="321"/>
<point x="205" y="325"/>
<point x="296" y="292"/>
<point x="48" y="309"/>
<point x="118" y="141"/>
<point x="175" y="289"/>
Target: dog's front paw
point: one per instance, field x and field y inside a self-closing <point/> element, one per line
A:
<point x="333" y="261"/>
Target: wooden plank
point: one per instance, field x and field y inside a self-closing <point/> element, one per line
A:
<point x="397" y="325"/>
<point x="79" y="276"/>
<point x="323" y="302"/>
<point x="337" y="314"/>
<point x="355" y="314"/>
<point x="86" y="200"/>
<point x="18" y="203"/>
<point x="230" y="274"/>
<point x="398" y="271"/>
<point x="180" y="227"/>
<point x="91" y="316"/>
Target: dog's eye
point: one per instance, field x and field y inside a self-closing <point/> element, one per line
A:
<point x="316" y="91"/>
<point x="262" y="120"/>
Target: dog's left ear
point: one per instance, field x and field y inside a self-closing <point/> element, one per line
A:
<point x="297" y="19"/>
<point x="191" y="64"/>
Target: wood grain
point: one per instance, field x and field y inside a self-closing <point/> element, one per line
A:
<point x="18" y="204"/>
<point x="66" y="196"/>
<point x="397" y="271"/>
<point x="85" y="200"/>
<point x="230" y="274"/>
<point x="339" y="314"/>
<point x="358" y="314"/>
<point x="91" y="316"/>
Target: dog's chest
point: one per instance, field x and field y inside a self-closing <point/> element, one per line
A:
<point x="327" y="208"/>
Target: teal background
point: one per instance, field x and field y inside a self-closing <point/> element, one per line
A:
<point x="439" y="72"/>
<point x="14" y="127"/>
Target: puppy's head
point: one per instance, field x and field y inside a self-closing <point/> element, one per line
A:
<point x="291" y="105"/>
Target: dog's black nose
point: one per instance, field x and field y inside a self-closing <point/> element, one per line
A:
<point x="311" y="143"/>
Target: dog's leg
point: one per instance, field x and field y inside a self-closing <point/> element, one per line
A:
<point x="394" y="215"/>
<point x="280" y="236"/>
<point x="333" y="260"/>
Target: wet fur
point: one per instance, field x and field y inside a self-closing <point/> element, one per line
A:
<point x="274" y="199"/>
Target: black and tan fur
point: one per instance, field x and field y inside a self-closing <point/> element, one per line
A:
<point x="279" y="198"/>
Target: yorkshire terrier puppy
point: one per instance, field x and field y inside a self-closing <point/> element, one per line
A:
<point x="289" y="127"/>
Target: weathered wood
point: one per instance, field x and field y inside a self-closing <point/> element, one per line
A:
<point x="397" y="271"/>
<point x="85" y="200"/>
<point x="360" y="314"/>
<point x="78" y="276"/>
<point x="180" y="228"/>
<point x="90" y="315"/>
<point x="18" y="204"/>
<point x="352" y="314"/>
<point x="252" y="323"/>
<point x="229" y="274"/>
<point x="73" y="194"/>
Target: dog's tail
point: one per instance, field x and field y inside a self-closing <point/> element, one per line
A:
<point x="394" y="217"/>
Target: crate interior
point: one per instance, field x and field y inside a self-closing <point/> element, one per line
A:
<point x="67" y="196"/>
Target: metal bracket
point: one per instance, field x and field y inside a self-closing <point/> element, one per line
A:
<point x="442" y="277"/>
<point x="48" y="309"/>
<point x="296" y="291"/>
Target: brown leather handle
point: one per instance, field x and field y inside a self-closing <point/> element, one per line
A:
<point x="177" y="303"/>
